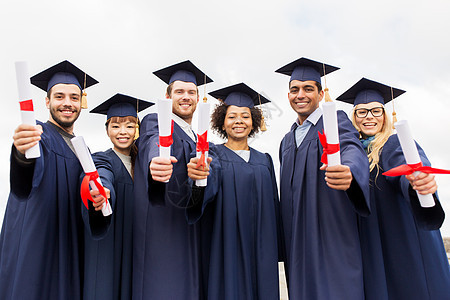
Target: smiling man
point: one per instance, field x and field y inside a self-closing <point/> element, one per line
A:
<point x="41" y="246"/>
<point x="320" y="203"/>
<point x="166" y="259"/>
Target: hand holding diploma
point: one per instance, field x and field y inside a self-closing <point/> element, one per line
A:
<point x="330" y="138"/>
<point x="413" y="168"/>
<point x="92" y="178"/>
<point x="31" y="149"/>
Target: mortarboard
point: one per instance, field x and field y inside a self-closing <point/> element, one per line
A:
<point x="121" y="105"/>
<point x="64" y="72"/>
<point x="304" y="69"/>
<point x="183" y="71"/>
<point x="239" y="95"/>
<point x="366" y="91"/>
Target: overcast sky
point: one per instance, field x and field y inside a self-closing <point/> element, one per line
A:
<point x="120" y="43"/>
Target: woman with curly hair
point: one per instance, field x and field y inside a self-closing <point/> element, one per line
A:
<point x="108" y="242"/>
<point x="402" y="248"/>
<point x="239" y="208"/>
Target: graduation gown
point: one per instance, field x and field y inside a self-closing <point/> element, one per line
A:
<point x="242" y="216"/>
<point x="403" y="252"/>
<point x="41" y="241"/>
<point x="166" y="258"/>
<point x="109" y="244"/>
<point x="323" y="254"/>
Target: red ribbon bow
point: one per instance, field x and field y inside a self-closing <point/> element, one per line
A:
<point x="85" y="194"/>
<point x="409" y="169"/>
<point x="327" y="148"/>
<point x="166" y="141"/>
<point x="26" y="105"/>
<point x="202" y="146"/>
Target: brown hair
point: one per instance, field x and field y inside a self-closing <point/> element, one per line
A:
<point x="133" y="149"/>
<point x="170" y="87"/>
<point x="218" y="119"/>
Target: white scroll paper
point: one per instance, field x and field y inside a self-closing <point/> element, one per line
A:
<point x="88" y="166"/>
<point x="330" y="127"/>
<point x="203" y="125"/>
<point x="411" y="156"/>
<point x="164" y="123"/>
<point x="27" y="114"/>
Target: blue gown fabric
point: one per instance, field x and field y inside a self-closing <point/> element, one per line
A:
<point x="323" y="253"/>
<point x="166" y="260"/>
<point x="240" y="215"/>
<point x="403" y="252"/>
<point x="108" y="240"/>
<point x="41" y="242"/>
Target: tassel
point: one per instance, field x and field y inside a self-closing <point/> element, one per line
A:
<point x="136" y="135"/>
<point x="84" y="101"/>
<point x="394" y="119"/>
<point x="263" y="125"/>
<point x="327" y="96"/>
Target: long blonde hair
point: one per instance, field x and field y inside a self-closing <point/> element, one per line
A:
<point x="376" y="145"/>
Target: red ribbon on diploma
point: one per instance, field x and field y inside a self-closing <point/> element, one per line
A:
<point x="26" y="105"/>
<point x="327" y="148"/>
<point x="202" y="146"/>
<point x="409" y="169"/>
<point x="85" y="194"/>
<point x="166" y="141"/>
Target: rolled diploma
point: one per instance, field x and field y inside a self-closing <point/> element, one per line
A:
<point x="411" y="156"/>
<point x="88" y="166"/>
<point x="330" y="127"/>
<point x="203" y="125"/>
<point x="164" y="123"/>
<point x="23" y="86"/>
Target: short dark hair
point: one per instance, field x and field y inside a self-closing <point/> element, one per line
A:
<point x="218" y="119"/>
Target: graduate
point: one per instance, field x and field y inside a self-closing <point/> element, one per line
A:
<point x="240" y="208"/>
<point x="320" y="203"/>
<point x="41" y="243"/>
<point x="166" y="257"/>
<point x="108" y="240"/>
<point x="403" y="252"/>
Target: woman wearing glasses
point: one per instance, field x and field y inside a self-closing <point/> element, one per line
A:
<point x="403" y="252"/>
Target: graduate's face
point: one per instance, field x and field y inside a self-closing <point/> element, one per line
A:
<point x="238" y="122"/>
<point x="184" y="99"/>
<point x="304" y="97"/>
<point x="369" y="125"/>
<point x="64" y="105"/>
<point x="121" y="132"/>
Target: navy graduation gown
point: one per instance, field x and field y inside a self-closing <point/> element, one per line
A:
<point x="242" y="222"/>
<point x="403" y="252"/>
<point x="108" y="249"/>
<point x="323" y="254"/>
<point x="41" y="242"/>
<point x="166" y="258"/>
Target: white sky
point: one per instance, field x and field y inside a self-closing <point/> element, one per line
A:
<point x="120" y="43"/>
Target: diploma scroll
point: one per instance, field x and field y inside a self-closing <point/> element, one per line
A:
<point x="411" y="156"/>
<point x="330" y="127"/>
<point x="202" y="142"/>
<point x="89" y="167"/>
<point x="165" y="126"/>
<point x="26" y="103"/>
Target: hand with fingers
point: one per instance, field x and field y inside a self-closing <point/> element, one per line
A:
<point x="338" y="177"/>
<point x="423" y="183"/>
<point x="196" y="172"/>
<point x="99" y="200"/>
<point x="161" y="168"/>
<point x="26" y="136"/>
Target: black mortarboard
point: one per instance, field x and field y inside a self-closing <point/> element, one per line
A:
<point x="121" y="105"/>
<point x="304" y="69"/>
<point x="183" y="71"/>
<point x="64" y="72"/>
<point x="240" y="95"/>
<point x="366" y="91"/>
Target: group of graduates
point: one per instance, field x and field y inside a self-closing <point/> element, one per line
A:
<point x="343" y="231"/>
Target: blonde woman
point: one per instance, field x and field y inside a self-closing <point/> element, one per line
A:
<point x="403" y="252"/>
